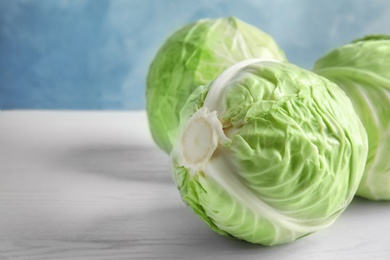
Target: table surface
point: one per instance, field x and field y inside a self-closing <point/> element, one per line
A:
<point x="92" y="185"/>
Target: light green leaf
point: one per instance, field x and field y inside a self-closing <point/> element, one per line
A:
<point x="362" y="70"/>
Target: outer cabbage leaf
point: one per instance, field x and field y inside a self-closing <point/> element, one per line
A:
<point x="275" y="153"/>
<point x="194" y="56"/>
<point x="362" y="70"/>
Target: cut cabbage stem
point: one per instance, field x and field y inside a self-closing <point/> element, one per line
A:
<point x="200" y="138"/>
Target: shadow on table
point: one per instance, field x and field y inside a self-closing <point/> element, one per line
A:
<point x="134" y="163"/>
<point x="174" y="233"/>
<point x="371" y="208"/>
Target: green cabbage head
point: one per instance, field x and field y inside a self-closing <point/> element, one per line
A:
<point x="273" y="152"/>
<point x="190" y="59"/>
<point x="362" y="70"/>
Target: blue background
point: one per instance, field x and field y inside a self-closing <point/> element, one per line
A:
<point x="94" y="54"/>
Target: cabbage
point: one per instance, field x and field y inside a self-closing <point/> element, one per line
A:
<point x="362" y="70"/>
<point x="190" y="59"/>
<point x="270" y="153"/>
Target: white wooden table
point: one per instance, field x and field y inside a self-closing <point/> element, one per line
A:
<point x="92" y="185"/>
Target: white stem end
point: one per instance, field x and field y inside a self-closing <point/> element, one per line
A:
<point x="199" y="139"/>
